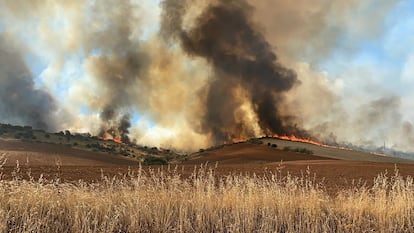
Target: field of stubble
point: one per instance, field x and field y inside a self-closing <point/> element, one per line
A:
<point x="247" y="191"/>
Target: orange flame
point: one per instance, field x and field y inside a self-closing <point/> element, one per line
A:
<point x="238" y="140"/>
<point x="117" y="140"/>
<point x="235" y="140"/>
<point x="107" y="137"/>
<point x="293" y="138"/>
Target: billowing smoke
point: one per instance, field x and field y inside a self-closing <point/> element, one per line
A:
<point x="104" y="35"/>
<point x="190" y="74"/>
<point x="21" y="101"/>
<point x="116" y="61"/>
<point x="305" y="30"/>
<point x="225" y="36"/>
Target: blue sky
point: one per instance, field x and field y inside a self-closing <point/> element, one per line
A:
<point x="384" y="56"/>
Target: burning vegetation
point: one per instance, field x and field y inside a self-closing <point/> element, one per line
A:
<point x="293" y="138"/>
<point x="114" y="129"/>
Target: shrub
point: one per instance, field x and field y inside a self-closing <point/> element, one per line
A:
<point x="298" y="150"/>
<point x="255" y="141"/>
<point x="26" y="127"/>
<point x="61" y="133"/>
<point x="151" y="160"/>
<point x="304" y="151"/>
<point x="125" y="153"/>
<point x="286" y="148"/>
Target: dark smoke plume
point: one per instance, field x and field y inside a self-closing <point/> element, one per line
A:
<point x="123" y="128"/>
<point x="21" y="102"/>
<point x="225" y="36"/>
<point x="118" y="65"/>
<point x="116" y="127"/>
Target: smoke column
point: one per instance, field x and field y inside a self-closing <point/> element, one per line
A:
<point x="21" y="102"/>
<point x="242" y="58"/>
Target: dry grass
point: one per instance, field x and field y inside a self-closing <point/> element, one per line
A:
<point x="163" y="201"/>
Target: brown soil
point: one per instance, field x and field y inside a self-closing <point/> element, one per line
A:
<point x="236" y="159"/>
<point x="333" y="175"/>
<point x="45" y="154"/>
<point x="242" y="153"/>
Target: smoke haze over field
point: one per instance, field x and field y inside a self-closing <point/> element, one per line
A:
<point x="190" y="74"/>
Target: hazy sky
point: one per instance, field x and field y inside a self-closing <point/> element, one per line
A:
<point x="362" y="54"/>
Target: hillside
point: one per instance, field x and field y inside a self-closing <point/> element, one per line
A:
<point x="44" y="148"/>
<point x="48" y="149"/>
<point x="240" y="153"/>
<point x="337" y="152"/>
<point x="84" y="157"/>
<point x="268" y="150"/>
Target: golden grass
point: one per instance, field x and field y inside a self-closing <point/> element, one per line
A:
<point x="163" y="201"/>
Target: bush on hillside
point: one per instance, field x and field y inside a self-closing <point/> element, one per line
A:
<point x="255" y="141"/>
<point x="151" y="160"/>
<point x="298" y="150"/>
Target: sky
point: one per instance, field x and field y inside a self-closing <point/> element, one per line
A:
<point x="360" y="54"/>
<point x="390" y="51"/>
<point x="387" y="59"/>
